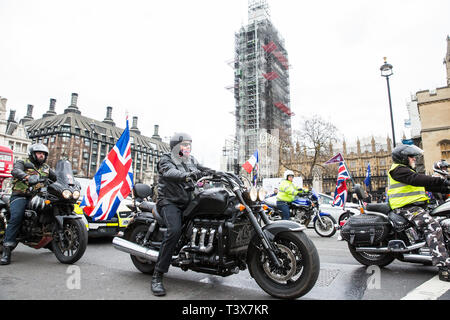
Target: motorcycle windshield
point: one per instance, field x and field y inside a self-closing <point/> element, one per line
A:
<point x="315" y="194"/>
<point x="64" y="175"/>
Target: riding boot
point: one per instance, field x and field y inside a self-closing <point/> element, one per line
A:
<point x="444" y="274"/>
<point x="157" y="285"/>
<point x="6" y="256"/>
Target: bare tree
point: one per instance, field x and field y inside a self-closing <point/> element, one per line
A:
<point x="315" y="137"/>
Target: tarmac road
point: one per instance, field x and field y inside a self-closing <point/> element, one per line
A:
<point x="105" y="273"/>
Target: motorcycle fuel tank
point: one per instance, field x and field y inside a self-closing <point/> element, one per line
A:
<point x="442" y="210"/>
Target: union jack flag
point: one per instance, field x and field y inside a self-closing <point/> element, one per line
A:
<point x="340" y="194"/>
<point x="112" y="182"/>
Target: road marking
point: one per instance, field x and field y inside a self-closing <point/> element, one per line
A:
<point x="430" y="290"/>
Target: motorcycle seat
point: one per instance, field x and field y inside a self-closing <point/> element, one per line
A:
<point x="379" y="207"/>
<point x="398" y="221"/>
<point x="147" y="206"/>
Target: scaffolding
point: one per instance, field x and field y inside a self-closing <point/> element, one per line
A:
<point x="261" y="83"/>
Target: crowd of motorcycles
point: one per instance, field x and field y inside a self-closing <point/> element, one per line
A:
<point x="229" y="226"/>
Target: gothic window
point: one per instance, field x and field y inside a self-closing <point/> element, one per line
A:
<point x="445" y="149"/>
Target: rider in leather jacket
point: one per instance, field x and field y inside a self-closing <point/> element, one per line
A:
<point x="25" y="174"/>
<point x="175" y="169"/>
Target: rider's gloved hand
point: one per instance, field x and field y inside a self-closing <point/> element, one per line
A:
<point x="33" y="179"/>
<point x="195" y="175"/>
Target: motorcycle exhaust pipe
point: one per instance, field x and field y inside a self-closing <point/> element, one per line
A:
<point x="394" y="246"/>
<point x="417" y="258"/>
<point x="135" y="249"/>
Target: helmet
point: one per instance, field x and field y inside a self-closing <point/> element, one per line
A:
<point x="179" y="137"/>
<point x="37" y="147"/>
<point x="441" y="167"/>
<point x="288" y="173"/>
<point x="401" y="153"/>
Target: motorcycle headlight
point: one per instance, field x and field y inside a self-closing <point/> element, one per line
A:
<point x="76" y="194"/>
<point x="261" y="194"/>
<point x="253" y="194"/>
<point x="66" y="194"/>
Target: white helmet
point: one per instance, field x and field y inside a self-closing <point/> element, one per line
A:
<point x="288" y="173"/>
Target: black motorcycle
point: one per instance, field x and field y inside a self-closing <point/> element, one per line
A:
<point x="379" y="236"/>
<point x="49" y="220"/>
<point x="225" y="230"/>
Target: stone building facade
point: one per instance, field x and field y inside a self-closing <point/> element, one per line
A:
<point x="86" y="142"/>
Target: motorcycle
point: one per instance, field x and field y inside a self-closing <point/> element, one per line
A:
<point x="225" y="230"/>
<point x="49" y="221"/>
<point x="303" y="209"/>
<point x="379" y="236"/>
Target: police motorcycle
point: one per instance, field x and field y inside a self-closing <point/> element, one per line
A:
<point x="225" y="230"/>
<point x="49" y="221"/>
<point x="379" y="236"/>
<point x="303" y="209"/>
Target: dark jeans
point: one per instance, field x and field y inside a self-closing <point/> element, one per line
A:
<point x="17" y="205"/>
<point x="172" y="217"/>
<point x="284" y="208"/>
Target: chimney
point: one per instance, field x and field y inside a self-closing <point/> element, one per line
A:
<point x="108" y="119"/>
<point x="134" y="127"/>
<point x="29" y="115"/>
<point x="73" y="104"/>
<point x="12" y="115"/>
<point x="155" y="134"/>
<point x="51" y="110"/>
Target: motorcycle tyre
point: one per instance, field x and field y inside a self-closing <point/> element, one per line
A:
<point x="83" y="240"/>
<point x="317" y="226"/>
<point x="142" y="265"/>
<point x="311" y="267"/>
<point x="384" y="260"/>
<point x="345" y="216"/>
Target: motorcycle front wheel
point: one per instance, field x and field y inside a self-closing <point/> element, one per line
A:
<point x="137" y="236"/>
<point x="328" y="229"/>
<point x="300" y="266"/>
<point x="71" y="247"/>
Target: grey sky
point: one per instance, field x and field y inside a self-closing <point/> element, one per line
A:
<point x="165" y="61"/>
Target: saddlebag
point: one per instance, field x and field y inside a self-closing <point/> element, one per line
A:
<point x="365" y="229"/>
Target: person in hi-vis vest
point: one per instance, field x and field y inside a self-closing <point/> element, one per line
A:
<point x="407" y="197"/>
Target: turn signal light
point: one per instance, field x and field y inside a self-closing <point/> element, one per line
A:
<point x="47" y="201"/>
<point x="361" y="210"/>
<point x="240" y="207"/>
<point x="265" y="207"/>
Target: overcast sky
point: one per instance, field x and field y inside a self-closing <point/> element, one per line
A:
<point x="166" y="61"/>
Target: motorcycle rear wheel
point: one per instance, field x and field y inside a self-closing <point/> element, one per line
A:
<point x="371" y="259"/>
<point x="328" y="230"/>
<point x="70" y="249"/>
<point x="301" y="266"/>
<point x="143" y="265"/>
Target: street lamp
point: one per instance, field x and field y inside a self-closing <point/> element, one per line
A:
<point x="386" y="71"/>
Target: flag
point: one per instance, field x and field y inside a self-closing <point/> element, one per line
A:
<point x="368" y="179"/>
<point x="112" y="182"/>
<point x="336" y="158"/>
<point x="250" y="164"/>
<point x="340" y="194"/>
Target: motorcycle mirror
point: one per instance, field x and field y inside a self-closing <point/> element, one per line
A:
<point x="359" y="191"/>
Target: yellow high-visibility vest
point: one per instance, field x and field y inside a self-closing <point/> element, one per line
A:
<point x="401" y="194"/>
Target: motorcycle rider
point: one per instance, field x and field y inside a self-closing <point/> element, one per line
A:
<point x="440" y="170"/>
<point x="25" y="174"/>
<point x="407" y="197"/>
<point x="175" y="170"/>
<point x="286" y="194"/>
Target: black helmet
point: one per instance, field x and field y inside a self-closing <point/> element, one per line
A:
<point x="37" y="147"/>
<point x="401" y="153"/>
<point x="179" y="137"/>
<point x="441" y="167"/>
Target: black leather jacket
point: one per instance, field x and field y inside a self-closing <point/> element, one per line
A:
<point x="172" y="180"/>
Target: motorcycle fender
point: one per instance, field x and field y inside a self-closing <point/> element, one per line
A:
<point x="274" y="228"/>
<point x="322" y="214"/>
<point x="60" y="219"/>
<point x="136" y="221"/>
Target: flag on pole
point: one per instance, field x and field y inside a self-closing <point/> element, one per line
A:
<point x="367" y="180"/>
<point x="251" y="163"/>
<point x="335" y="159"/>
<point x="112" y="182"/>
<point x="340" y="194"/>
